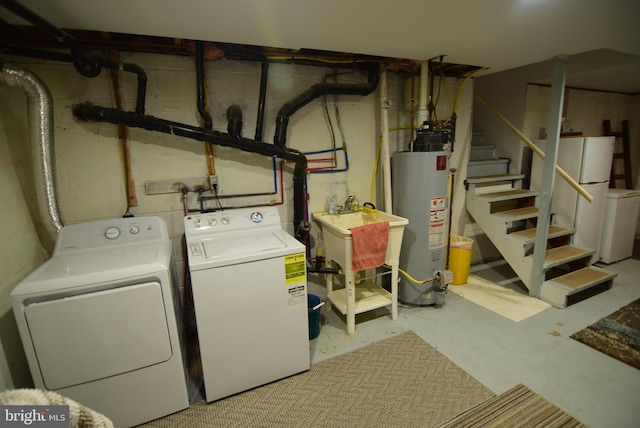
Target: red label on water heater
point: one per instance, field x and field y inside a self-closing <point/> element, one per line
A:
<point x="441" y="163"/>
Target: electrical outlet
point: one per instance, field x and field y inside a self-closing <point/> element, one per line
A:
<point x="213" y="182"/>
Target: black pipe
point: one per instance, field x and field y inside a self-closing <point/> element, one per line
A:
<point x="452" y="134"/>
<point x="63" y="57"/>
<point x="88" y="112"/>
<point x="318" y="90"/>
<point x="264" y="75"/>
<point x="234" y="124"/>
<point x="202" y="108"/>
<point x="88" y="67"/>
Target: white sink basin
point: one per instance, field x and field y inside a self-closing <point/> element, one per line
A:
<point x="337" y="236"/>
<point x="338" y="246"/>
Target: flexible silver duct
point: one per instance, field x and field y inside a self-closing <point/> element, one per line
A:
<point x="40" y="111"/>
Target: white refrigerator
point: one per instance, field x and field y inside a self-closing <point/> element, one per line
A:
<point x="620" y="220"/>
<point x="588" y="161"/>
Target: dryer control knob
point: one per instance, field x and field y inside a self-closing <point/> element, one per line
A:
<point x="112" y="233"/>
<point x="197" y="222"/>
<point x="134" y="230"/>
<point x="225" y="220"/>
<point x="213" y="222"/>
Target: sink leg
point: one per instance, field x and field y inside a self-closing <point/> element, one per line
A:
<point x="351" y="301"/>
<point x="394" y="292"/>
<point x="329" y="284"/>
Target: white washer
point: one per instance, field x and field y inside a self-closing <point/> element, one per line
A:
<point x="98" y="320"/>
<point x="249" y="283"/>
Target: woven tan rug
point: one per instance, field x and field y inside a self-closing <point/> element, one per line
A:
<point x="518" y="407"/>
<point x="400" y="381"/>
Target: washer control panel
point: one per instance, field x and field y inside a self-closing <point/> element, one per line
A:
<point x="110" y="232"/>
<point x="230" y="220"/>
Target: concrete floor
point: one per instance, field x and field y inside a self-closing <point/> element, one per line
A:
<point x="598" y="390"/>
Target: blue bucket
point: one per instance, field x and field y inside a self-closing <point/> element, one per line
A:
<point x="314" y="315"/>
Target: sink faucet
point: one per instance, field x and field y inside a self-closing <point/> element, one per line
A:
<point x="350" y="205"/>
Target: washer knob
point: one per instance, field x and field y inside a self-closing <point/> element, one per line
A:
<point x="112" y="233"/>
<point x="197" y="223"/>
<point x="134" y="230"/>
<point x="225" y="220"/>
<point x="213" y="222"/>
<point x="256" y="216"/>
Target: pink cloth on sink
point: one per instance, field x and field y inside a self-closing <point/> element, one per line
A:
<point x="369" y="245"/>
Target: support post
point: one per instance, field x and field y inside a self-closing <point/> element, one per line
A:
<point x="548" y="176"/>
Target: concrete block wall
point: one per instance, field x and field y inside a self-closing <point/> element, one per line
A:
<point x="90" y="177"/>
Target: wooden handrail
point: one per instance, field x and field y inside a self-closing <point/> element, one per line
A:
<point x="561" y="172"/>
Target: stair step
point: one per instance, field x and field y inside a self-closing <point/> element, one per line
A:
<point x="494" y="178"/>
<point x="528" y="236"/>
<point x="481" y="152"/>
<point x="477" y="138"/>
<point x="517" y="214"/>
<point x="576" y="286"/>
<point x="561" y="255"/>
<point x="477" y="168"/>
<point x="489" y="161"/>
<point x="508" y="195"/>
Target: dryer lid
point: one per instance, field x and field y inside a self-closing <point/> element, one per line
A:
<point x="69" y="270"/>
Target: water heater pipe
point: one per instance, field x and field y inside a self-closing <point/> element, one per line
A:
<point x="40" y="113"/>
<point x="423" y="99"/>
<point x="384" y="131"/>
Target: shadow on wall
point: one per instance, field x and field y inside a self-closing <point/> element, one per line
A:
<point x="14" y="354"/>
<point x="483" y="250"/>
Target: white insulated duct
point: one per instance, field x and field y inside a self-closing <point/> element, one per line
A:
<point x="40" y="112"/>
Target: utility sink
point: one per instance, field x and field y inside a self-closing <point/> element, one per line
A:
<point x="338" y="246"/>
<point x="337" y="236"/>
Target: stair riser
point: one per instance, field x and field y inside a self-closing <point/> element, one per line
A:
<point x="482" y="152"/>
<point x="475" y="170"/>
<point x="559" y="298"/>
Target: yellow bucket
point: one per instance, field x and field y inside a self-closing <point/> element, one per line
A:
<point x="460" y="258"/>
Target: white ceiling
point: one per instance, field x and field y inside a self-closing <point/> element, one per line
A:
<point x="498" y="34"/>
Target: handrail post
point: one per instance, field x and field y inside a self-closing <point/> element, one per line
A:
<point x="548" y="176"/>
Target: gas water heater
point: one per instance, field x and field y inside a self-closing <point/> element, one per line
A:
<point x="419" y="183"/>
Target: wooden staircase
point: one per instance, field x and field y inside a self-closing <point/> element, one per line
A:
<point x="508" y="215"/>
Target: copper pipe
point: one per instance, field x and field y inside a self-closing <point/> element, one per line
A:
<point x="123" y="133"/>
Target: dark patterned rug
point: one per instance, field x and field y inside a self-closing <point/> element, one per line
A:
<point x="617" y="335"/>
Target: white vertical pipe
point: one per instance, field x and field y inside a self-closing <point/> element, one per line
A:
<point x="384" y="133"/>
<point x="423" y="100"/>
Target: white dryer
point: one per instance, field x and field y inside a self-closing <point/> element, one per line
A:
<point x="249" y="283"/>
<point x="98" y="320"/>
